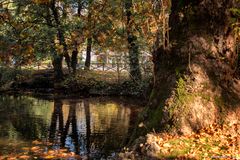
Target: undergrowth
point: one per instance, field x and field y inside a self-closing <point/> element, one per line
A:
<point x="8" y="74"/>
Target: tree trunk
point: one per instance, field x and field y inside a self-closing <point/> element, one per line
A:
<point x="56" y="59"/>
<point x="88" y="54"/>
<point x="79" y="7"/>
<point x="74" y="61"/>
<point x="60" y="35"/>
<point x="201" y="38"/>
<point x="135" y="70"/>
<point x="74" y="57"/>
<point x="57" y="66"/>
<point x="89" y="39"/>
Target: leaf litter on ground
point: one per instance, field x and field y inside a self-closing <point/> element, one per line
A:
<point x="213" y="142"/>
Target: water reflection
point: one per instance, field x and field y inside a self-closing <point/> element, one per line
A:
<point x="87" y="128"/>
<point x="91" y="127"/>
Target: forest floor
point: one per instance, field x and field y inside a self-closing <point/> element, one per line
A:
<point x="213" y="142"/>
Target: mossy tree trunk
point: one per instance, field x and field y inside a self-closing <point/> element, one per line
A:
<point x="200" y="35"/>
<point x="135" y="70"/>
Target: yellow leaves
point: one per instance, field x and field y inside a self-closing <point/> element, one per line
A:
<point x="41" y="1"/>
<point x="24" y="157"/>
<point x="49" y="157"/>
<point x="38" y="151"/>
<point x="215" y="149"/>
<point x="102" y="37"/>
<point x="214" y="141"/>
<point x="25" y="148"/>
<point x="36" y="142"/>
<point x="202" y="140"/>
<point x="87" y="33"/>
<point x="167" y="145"/>
<point x="59" y="49"/>
<point x="36" y="148"/>
<point x="29" y="50"/>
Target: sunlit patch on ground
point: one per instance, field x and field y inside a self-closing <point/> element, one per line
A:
<point x="214" y="142"/>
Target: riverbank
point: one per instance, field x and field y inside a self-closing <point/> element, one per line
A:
<point x="84" y="83"/>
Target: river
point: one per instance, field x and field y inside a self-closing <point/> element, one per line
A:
<point x="90" y="127"/>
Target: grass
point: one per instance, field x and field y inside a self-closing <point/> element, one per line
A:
<point x="107" y="76"/>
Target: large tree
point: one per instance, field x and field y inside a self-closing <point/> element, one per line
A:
<point x="199" y="62"/>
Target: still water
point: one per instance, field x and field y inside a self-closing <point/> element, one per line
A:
<point x="93" y="127"/>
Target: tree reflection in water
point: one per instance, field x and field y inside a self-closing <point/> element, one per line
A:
<point x="89" y="129"/>
<point x="92" y="127"/>
<point x="56" y="127"/>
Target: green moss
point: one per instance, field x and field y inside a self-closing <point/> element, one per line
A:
<point x="181" y="91"/>
<point x="181" y="101"/>
<point x="156" y="117"/>
<point x="221" y="104"/>
<point x="206" y="97"/>
<point x="176" y="152"/>
<point x="206" y="85"/>
<point x="178" y="105"/>
<point x="183" y="97"/>
<point x="153" y="94"/>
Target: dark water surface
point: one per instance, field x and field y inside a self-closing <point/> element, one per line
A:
<point x="92" y="127"/>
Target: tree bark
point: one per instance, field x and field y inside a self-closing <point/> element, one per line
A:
<point x="74" y="61"/>
<point x="57" y="66"/>
<point x="56" y="58"/>
<point x="88" y="54"/>
<point x="74" y="57"/>
<point x="60" y="34"/>
<point x="200" y="38"/>
<point x="135" y="70"/>
<point x="89" y="39"/>
<point x="79" y="7"/>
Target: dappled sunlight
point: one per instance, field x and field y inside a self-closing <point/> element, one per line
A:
<point x="213" y="142"/>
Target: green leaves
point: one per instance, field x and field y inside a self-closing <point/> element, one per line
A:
<point x="235" y="11"/>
